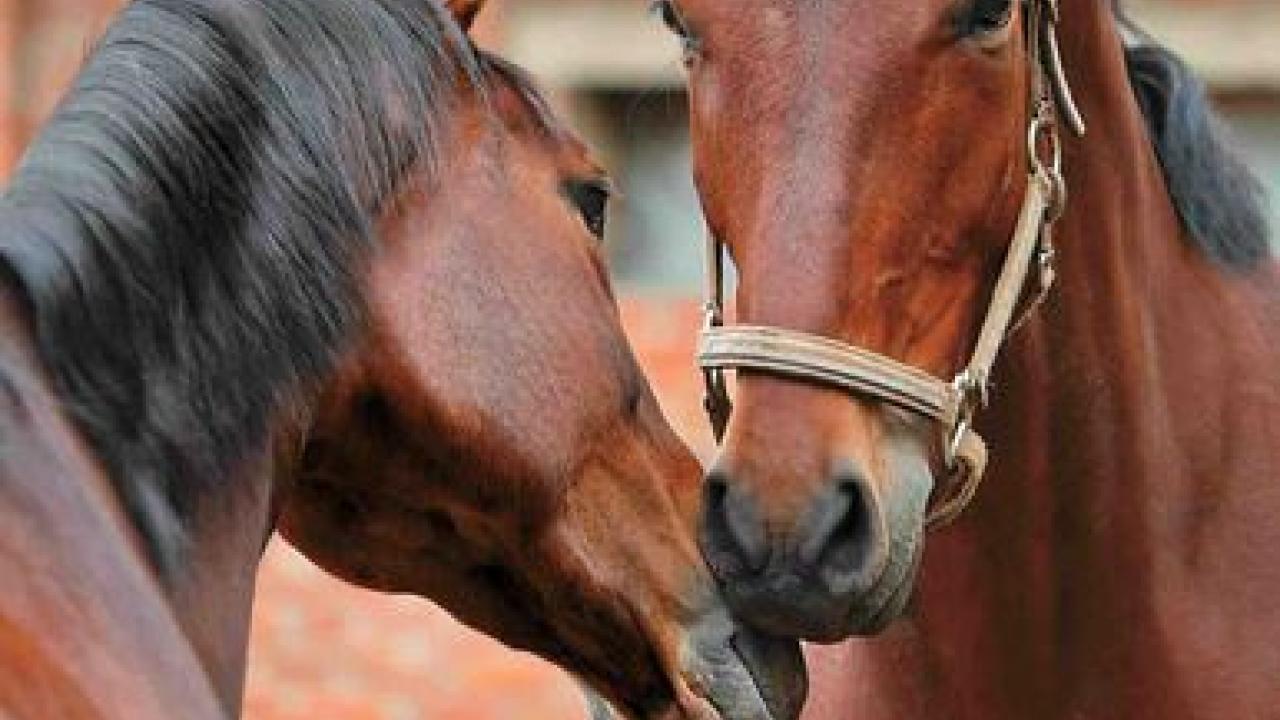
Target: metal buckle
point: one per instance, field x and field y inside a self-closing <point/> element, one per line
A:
<point x="1042" y="133"/>
<point x="1043" y="127"/>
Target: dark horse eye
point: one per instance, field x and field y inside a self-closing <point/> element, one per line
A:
<point x="671" y="17"/>
<point x="984" y="17"/>
<point x="591" y="199"/>
<point x="666" y="9"/>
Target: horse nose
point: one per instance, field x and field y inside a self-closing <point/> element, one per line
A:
<point x="734" y="537"/>
<point x="836" y="541"/>
<point x="840" y="538"/>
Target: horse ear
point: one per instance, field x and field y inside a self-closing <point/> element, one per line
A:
<point x="464" y="11"/>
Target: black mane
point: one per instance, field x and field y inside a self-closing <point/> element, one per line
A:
<point x="1221" y="204"/>
<point x="188" y="231"/>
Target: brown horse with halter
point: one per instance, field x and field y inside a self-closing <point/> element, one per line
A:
<point x="968" y="219"/>
<point x="325" y="266"/>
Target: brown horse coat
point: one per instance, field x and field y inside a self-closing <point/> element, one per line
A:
<point x="1119" y="560"/>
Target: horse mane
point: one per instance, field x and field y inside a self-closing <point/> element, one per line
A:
<point x="187" y="232"/>
<point x="1221" y="203"/>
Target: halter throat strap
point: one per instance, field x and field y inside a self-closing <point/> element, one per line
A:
<point x="951" y="405"/>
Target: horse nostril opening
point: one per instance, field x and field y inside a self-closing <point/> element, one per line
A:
<point x="842" y="538"/>
<point x="733" y="531"/>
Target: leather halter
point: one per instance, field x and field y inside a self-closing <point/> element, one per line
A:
<point x="952" y="405"/>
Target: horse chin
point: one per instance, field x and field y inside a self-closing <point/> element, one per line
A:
<point x="890" y="598"/>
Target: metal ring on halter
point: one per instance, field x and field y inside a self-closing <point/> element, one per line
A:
<point x="958" y="430"/>
<point x="1044" y="128"/>
<point x="711" y="316"/>
<point x="1057" y="198"/>
<point x="971" y="394"/>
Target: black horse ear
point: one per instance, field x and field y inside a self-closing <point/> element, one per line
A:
<point x="464" y="11"/>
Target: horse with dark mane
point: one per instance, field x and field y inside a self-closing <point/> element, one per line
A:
<point x="1036" y="200"/>
<point x="326" y="266"/>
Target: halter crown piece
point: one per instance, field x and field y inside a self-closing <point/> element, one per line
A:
<point x="952" y="405"/>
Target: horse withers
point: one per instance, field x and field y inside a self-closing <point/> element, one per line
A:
<point x="324" y="265"/>
<point x="922" y="176"/>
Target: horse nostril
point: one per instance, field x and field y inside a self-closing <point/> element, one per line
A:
<point x="841" y="535"/>
<point x="733" y="531"/>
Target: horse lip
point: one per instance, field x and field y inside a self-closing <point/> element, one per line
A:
<point x="744" y="674"/>
<point x="777" y="667"/>
<point x="726" y="672"/>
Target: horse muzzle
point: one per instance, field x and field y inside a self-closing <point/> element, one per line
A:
<point x="729" y="672"/>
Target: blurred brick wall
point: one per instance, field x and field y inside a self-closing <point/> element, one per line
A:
<point x="42" y="43"/>
<point x="320" y="649"/>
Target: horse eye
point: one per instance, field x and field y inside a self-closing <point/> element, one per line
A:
<point x="666" y="10"/>
<point x="591" y="199"/>
<point x="985" y="17"/>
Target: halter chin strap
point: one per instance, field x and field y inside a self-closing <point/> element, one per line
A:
<point x="952" y="405"/>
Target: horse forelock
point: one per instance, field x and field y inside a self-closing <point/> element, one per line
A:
<point x="188" y="229"/>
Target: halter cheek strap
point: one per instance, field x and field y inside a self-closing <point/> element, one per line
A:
<point x="952" y="405"/>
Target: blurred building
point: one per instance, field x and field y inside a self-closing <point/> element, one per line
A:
<point x="1235" y="47"/>
<point x="618" y="74"/>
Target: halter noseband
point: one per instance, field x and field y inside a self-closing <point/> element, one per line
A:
<point x="952" y="405"/>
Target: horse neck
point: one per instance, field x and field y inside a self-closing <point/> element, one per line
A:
<point x="1091" y="364"/>
<point x="1144" y="338"/>
<point x="212" y="596"/>
<point x="1128" y="428"/>
<point x="169" y="639"/>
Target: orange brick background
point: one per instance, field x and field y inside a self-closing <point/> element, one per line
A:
<point x="320" y="649"/>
